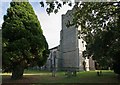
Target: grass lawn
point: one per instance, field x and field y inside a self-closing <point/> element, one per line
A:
<point x="39" y="77"/>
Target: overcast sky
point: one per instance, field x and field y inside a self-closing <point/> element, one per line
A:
<point x="51" y="25"/>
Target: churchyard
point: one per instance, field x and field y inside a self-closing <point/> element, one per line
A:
<point x="94" y="44"/>
<point x="32" y="77"/>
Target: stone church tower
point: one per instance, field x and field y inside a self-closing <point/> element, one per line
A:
<point x="71" y="46"/>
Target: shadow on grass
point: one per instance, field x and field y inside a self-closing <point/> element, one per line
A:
<point x="82" y="78"/>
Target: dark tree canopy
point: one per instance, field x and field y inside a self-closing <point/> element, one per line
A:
<point x="100" y="27"/>
<point x="23" y="41"/>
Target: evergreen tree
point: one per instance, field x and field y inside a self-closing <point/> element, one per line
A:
<point x="23" y="41"/>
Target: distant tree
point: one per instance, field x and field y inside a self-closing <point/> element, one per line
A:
<point x="23" y="42"/>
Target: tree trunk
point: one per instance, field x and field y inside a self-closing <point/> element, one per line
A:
<point x="17" y="72"/>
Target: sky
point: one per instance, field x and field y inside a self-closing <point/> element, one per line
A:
<point x="51" y="24"/>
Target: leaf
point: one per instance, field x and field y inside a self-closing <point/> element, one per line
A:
<point x="42" y="4"/>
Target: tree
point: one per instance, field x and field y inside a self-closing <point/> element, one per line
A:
<point x="23" y="41"/>
<point x="100" y="29"/>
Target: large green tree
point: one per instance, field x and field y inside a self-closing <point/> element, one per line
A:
<point x="23" y="41"/>
<point x="100" y="27"/>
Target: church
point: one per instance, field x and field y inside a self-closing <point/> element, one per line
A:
<point x="68" y="55"/>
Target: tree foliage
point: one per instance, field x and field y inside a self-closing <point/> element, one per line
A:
<point x="23" y="41"/>
<point x="53" y="6"/>
<point x="100" y="29"/>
